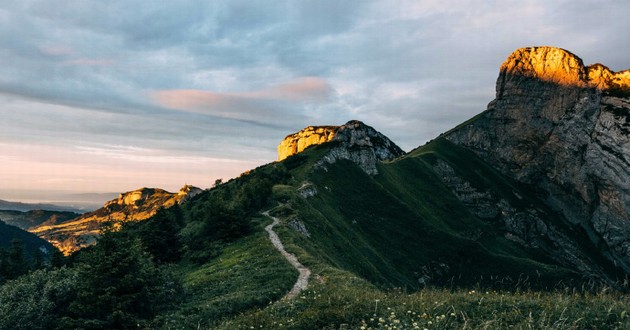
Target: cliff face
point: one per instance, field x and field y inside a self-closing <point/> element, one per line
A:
<point x="135" y="205"/>
<point x="297" y="142"/>
<point x="354" y="141"/>
<point x="564" y="128"/>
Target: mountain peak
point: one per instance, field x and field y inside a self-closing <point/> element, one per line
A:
<point x="561" y="67"/>
<point x="562" y="127"/>
<point x="357" y="142"/>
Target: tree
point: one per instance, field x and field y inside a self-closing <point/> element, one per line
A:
<point x="37" y="300"/>
<point x="119" y="286"/>
<point x="160" y="234"/>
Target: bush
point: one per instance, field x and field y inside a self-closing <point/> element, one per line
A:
<point x="37" y="300"/>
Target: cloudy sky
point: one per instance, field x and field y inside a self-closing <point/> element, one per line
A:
<point x="110" y="96"/>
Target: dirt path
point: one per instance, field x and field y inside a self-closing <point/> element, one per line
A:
<point x="305" y="273"/>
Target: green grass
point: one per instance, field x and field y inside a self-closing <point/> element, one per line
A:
<point x="371" y="238"/>
<point x="347" y="302"/>
<point x="246" y="274"/>
<point x="387" y="228"/>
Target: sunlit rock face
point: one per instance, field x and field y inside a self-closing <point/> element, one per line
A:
<point x="137" y="205"/>
<point x="354" y="141"/>
<point x="558" y="66"/>
<point x="565" y="129"/>
<point x="297" y="142"/>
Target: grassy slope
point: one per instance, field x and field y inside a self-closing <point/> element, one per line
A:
<point x="246" y="274"/>
<point x="387" y="228"/>
<point x="344" y="301"/>
<point x="370" y="235"/>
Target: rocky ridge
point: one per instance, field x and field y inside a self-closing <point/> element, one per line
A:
<point x="564" y="128"/>
<point x="137" y="205"/>
<point x="353" y="141"/>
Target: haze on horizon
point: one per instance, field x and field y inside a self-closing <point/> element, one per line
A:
<point x="110" y="96"/>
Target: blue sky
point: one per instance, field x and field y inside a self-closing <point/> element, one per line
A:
<point x="101" y="96"/>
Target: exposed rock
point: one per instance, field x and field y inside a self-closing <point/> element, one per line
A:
<point x="299" y="226"/>
<point x="522" y="225"/>
<point x="297" y="142"/>
<point x="362" y="145"/>
<point x="353" y="141"/>
<point x="307" y="190"/>
<point x="187" y="192"/>
<point x="137" y="205"/>
<point x="563" y="128"/>
<point x="560" y="67"/>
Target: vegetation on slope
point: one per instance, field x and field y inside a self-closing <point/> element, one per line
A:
<point x="370" y="242"/>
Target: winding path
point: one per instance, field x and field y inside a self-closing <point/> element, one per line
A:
<point x="305" y="273"/>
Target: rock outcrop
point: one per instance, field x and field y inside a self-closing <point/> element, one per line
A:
<point x="297" y="142"/>
<point x="561" y="67"/>
<point x="564" y="128"/>
<point x="353" y="141"/>
<point x="137" y="205"/>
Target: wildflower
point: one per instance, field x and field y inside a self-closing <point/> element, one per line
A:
<point x="452" y="314"/>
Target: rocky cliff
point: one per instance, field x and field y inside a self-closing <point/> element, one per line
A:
<point x="564" y="128"/>
<point x="353" y="141"/>
<point x="297" y="142"/>
<point x="141" y="204"/>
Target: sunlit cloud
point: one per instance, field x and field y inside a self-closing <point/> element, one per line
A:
<point x="308" y="89"/>
<point x="121" y="94"/>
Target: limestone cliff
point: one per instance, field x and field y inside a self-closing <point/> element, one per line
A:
<point x="564" y="128"/>
<point x="354" y="141"/>
<point x="137" y="205"/>
<point x="297" y="142"/>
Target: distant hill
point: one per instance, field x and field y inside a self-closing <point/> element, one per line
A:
<point x="28" y="219"/>
<point x="24" y="207"/>
<point x="31" y="242"/>
<point x="69" y="236"/>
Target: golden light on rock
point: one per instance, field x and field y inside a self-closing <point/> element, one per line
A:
<point x="561" y="67"/>
<point x="297" y="142"/>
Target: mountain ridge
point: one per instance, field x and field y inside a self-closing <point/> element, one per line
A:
<point x="136" y="205"/>
<point x="565" y="135"/>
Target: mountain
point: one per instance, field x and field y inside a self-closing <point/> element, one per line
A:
<point x="141" y="204"/>
<point x="563" y="128"/>
<point x="24" y="207"/>
<point x="437" y="213"/>
<point x="513" y="219"/>
<point x="353" y="141"/>
<point x="28" y="219"/>
<point x="31" y="242"/>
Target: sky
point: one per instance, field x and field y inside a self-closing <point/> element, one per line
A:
<point x="111" y="96"/>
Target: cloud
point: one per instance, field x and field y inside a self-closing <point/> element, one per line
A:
<point x="285" y="103"/>
<point x="304" y="89"/>
<point x="229" y="79"/>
